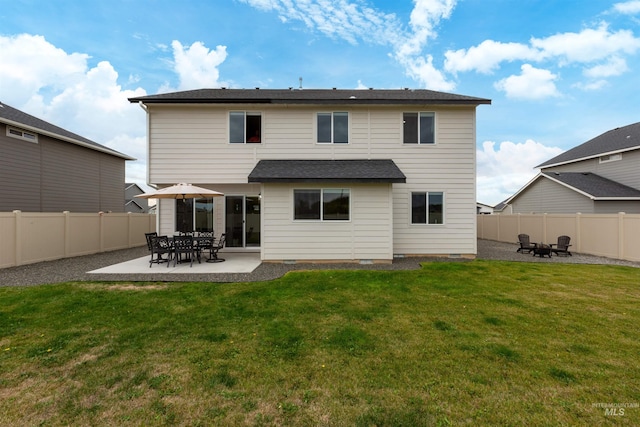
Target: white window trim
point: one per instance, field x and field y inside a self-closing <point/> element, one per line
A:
<point x="246" y="113"/>
<point x="427" y="224"/>
<point x="315" y="118"/>
<point x="13" y="133"/>
<point x="435" y="129"/>
<point x="610" y="158"/>
<point x="321" y="189"/>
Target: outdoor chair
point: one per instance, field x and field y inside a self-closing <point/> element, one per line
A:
<point x="213" y="250"/>
<point x="204" y="241"/>
<point x="160" y="246"/>
<point x="525" y="244"/>
<point x="183" y="245"/>
<point x="148" y="236"/>
<point x="562" y="247"/>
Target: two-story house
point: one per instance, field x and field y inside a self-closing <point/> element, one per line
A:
<point x="358" y="175"/>
<point x="600" y="176"/>
<point x="45" y="168"/>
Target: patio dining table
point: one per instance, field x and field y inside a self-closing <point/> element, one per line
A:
<point x="198" y="247"/>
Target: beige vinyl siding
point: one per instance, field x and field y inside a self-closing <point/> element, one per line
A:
<point x="190" y="144"/>
<point x="366" y="236"/>
<point x="546" y="196"/>
<point x="448" y="166"/>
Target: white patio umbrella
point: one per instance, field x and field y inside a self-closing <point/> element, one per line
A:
<point x="181" y="191"/>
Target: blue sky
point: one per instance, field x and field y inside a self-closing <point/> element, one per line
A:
<point x="558" y="72"/>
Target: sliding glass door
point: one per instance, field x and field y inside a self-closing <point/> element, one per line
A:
<point x="242" y="218"/>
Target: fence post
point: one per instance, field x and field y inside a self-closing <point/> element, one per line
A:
<point x="579" y="232"/>
<point x="67" y="233"/>
<point x="621" y="235"/>
<point x="128" y="229"/>
<point x="18" y="233"/>
<point x="101" y="230"/>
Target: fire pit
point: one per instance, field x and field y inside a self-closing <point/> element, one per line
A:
<point x="541" y="250"/>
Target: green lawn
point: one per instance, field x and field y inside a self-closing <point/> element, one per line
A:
<point x="476" y="343"/>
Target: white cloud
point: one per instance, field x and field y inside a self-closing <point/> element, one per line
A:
<point x="487" y="56"/>
<point x="29" y="64"/>
<point x="588" y="45"/>
<point x="354" y="22"/>
<point x="45" y="81"/>
<point x="628" y="7"/>
<point x="424" y="71"/>
<point x="600" y="50"/>
<point x="614" y="66"/>
<point x="197" y="66"/>
<point x="503" y="171"/>
<point x="532" y="83"/>
<point x="592" y="85"/>
<point x="350" y="21"/>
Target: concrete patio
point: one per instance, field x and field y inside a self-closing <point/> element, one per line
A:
<point x="235" y="262"/>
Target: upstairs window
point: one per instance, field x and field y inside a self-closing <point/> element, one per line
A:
<point x="419" y="128"/>
<point x="333" y="128"/>
<point x="427" y="207"/>
<point x="245" y="127"/>
<point x="22" y="134"/>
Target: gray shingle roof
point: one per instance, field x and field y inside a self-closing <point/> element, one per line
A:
<point x="616" y="140"/>
<point x="594" y="185"/>
<point x="312" y="96"/>
<point x="364" y="171"/>
<point x="15" y="117"/>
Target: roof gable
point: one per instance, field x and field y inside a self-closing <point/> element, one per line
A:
<point x="14" y="117"/>
<point x="616" y="140"/>
<point x="312" y="96"/>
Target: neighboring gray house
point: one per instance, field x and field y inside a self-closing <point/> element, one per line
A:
<point x="481" y="208"/>
<point x="600" y="176"/>
<point x="360" y="175"/>
<point x="44" y="168"/>
<point x="132" y="203"/>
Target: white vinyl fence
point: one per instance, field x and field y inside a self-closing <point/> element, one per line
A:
<point x="608" y="235"/>
<point x="30" y="237"/>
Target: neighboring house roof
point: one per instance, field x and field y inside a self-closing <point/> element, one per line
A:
<point x="594" y="186"/>
<point x="617" y="140"/>
<point x="132" y="201"/>
<point x="312" y="96"/>
<point x="14" y="117"/>
<point x="500" y="206"/>
<point x="128" y="185"/>
<point x="588" y="184"/>
<point x="364" y="171"/>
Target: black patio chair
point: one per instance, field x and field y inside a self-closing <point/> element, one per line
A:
<point x="213" y="251"/>
<point x="525" y="244"/>
<point x="562" y="247"/>
<point x="203" y="242"/>
<point x="183" y="245"/>
<point x="148" y="236"/>
<point x="160" y="245"/>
